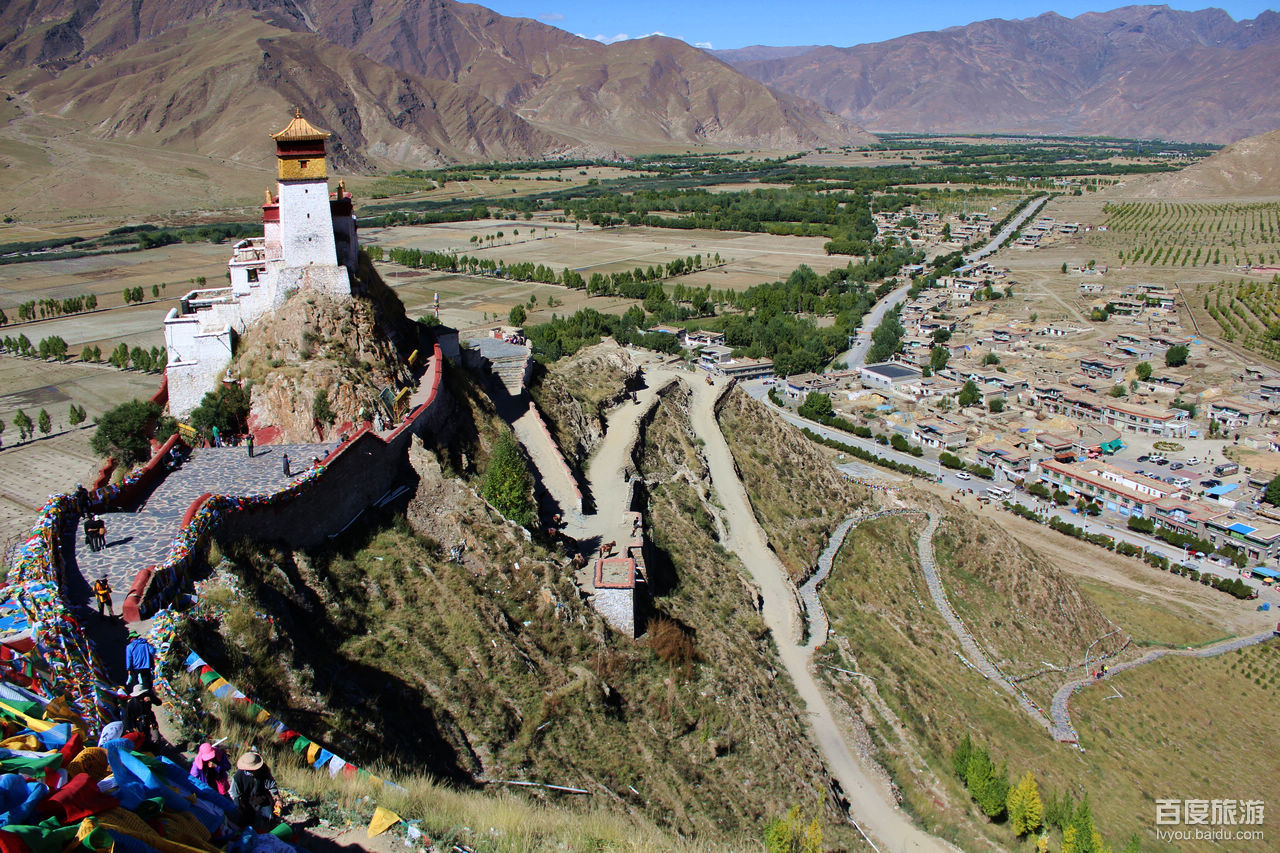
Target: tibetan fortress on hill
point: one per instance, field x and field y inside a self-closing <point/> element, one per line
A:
<point x="308" y="242"/>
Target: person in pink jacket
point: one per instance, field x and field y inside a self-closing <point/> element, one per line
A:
<point x="211" y="766"/>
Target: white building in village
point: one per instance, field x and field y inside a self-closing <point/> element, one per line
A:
<point x="309" y="242"/>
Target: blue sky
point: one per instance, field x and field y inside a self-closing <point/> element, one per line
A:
<point x="722" y="24"/>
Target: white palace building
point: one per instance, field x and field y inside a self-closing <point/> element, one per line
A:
<point x="309" y="243"/>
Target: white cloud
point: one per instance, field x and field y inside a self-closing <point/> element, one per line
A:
<point x="705" y="45"/>
<point x="551" y="17"/>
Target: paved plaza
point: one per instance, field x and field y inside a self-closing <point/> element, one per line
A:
<point x="141" y="538"/>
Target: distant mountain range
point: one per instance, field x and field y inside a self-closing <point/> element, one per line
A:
<point x="102" y="94"/>
<point x="1138" y="71"/>
<point x="399" y="82"/>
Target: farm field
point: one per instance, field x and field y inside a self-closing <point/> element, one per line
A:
<point x="31" y="471"/>
<point x="1195" y="234"/>
<point x="748" y="259"/>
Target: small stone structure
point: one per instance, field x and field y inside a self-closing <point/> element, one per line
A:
<point x="309" y="242"/>
<point x="619" y="583"/>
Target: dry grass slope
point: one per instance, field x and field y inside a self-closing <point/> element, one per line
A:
<point x="797" y="496"/>
<point x="497" y="669"/>
<point x="574" y="394"/>
<point x="1137" y="746"/>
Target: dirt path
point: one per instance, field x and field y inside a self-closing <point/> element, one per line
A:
<point x="555" y="476"/>
<point x="1061" y="710"/>
<point x="869" y="803"/>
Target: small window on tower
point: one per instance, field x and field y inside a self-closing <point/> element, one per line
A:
<point x="253" y="275"/>
<point x="303" y="163"/>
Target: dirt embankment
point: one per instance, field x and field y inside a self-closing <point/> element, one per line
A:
<point x="576" y="392"/>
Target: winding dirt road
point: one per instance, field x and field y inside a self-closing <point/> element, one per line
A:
<point x="869" y="803"/>
<point x="609" y="473"/>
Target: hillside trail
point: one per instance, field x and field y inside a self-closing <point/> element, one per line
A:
<point x="869" y="803"/>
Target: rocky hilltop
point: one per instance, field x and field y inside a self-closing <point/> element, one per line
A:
<point x="1138" y="71"/>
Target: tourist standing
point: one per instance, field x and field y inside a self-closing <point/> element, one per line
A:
<point x="285" y="463"/>
<point x="91" y="532"/>
<point x="102" y="591"/>
<point x="248" y="440"/>
<point x="139" y="658"/>
<point x="217" y="437"/>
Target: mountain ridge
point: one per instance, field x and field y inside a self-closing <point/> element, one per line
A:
<point x="516" y="88"/>
<point x="1137" y="71"/>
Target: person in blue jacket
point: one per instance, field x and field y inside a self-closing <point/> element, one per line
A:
<point x="139" y="657"/>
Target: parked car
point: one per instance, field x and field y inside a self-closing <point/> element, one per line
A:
<point x="1210" y="483"/>
<point x="1177" y="466"/>
<point x="1194" y="460"/>
<point x="1144" y="458"/>
<point x="1161" y="461"/>
<point x="963" y="475"/>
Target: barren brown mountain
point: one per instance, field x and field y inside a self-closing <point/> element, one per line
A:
<point x="1139" y="71"/>
<point x="377" y="72"/>
<point x="1249" y="168"/>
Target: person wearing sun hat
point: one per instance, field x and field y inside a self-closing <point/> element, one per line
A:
<point x="211" y="766"/>
<point x="138" y="716"/>
<point x="254" y="792"/>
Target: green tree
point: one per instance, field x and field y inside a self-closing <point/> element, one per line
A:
<point x="938" y="358"/>
<point x="226" y="407"/>
<point x="507" y="483"/>
<point x="76" y="415"/>
<point x="1064" y="267"/>
<point x="1176" y="356"/>
<point x="1143" y="369"/>
<point x="45" y="422"/>
<point x="517" y="315"/>
<point x="991" y="358"/>
<point x="122" y="432"/>
<point x="886" y="338"/>
<point x="817" y="406"/>
<point x="23" y="422"/>
<point x="1271" y="494"/>
<point x="969" y="394"/>
<point x="996" y="405"/>
<point x="1026" y="811"/>
<point x="1117" y="391"/>
<point x="321" y="410"/>
<point x="793" y="833"/>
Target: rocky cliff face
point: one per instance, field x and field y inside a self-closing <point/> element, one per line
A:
<point x="347" y="349"/>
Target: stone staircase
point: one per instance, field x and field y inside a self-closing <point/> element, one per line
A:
<point x="510" y="363"/>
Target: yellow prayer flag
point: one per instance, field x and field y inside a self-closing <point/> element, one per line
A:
<point x="383" y="819"/>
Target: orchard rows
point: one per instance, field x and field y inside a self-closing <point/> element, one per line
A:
<point x="1248" y="312"/>
<point x="1193" y="234"/>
